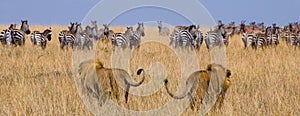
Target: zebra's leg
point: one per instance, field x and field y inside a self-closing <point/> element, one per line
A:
<point x="62" y="45"/>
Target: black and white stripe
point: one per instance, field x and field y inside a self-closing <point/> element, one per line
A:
<point x="66" y="39"/>
<point x="249" y="39"/>
<point x="186" y="37"/>
<point x="83" y="40"/>
<point x="6" y="37"/>
<point x="18" y="36"/>
<point x="213" y="39"/>
<point x="134" y="38"/>
<point x="261" y="41"/>
<point x="119" y="40"/>
<point x="198" y="38"/>
<point x="38" y="38"/>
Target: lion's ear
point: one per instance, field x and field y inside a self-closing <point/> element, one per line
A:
<point x="98" y="64"/>
<point x="209" y="67"/>
<point x="228" y="73"/>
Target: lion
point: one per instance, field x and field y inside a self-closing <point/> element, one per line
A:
<point x="197" y="85"/>
<point x="96" y="79"/>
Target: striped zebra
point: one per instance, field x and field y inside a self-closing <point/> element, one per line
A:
<point x="134" y="38"/>
<point x="213" y="39"/>
<point x="119" y="40"/>
<point x="186" y="39"/>
<point x="88" y="31"/>
<point x="216" y="37"/>
<point x="6" y="37"/>
<point x="82" y="40"/>
<point x="272" y="35"/>
<point x="107" y="32"/>
<point x="95" y="31"/>
<point x="174" y="39"/>
<point x="198" y="38"/>
<point x="163" y="31"/>
<point x="292" y="37"/>
<point x="140" y="29"/>
<point x="261" y="41"/>
<point x="249" y="39"/>
<point x="185" y="36"/>
<point x="18" y="35"/>
<point x="298" y="39"/>
<point x="38" y="38"/>
<point x="67" y="37"/>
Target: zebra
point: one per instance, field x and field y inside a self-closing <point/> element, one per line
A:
<point x="38" y="38"/>
<point x="140" y="29"/>
<point x="119" y="40"/>
<point x="18" y="35"/>
<point x="272" y="37"/>
<point x="249" y="39"/>
<point x="106" y="32"/>
<point x="134" y="38"/>
<point x="163" y="31"/>
<point x="95" y="31"/>
<point x="184" y="36"/>
<point x="88" y="31"/>
<point x="174" y="39"/>
<point x="186" y="39"/>
<point x="261" y="41"/>
<point x="82" y="39"/>
<point x="67" y="37"/>
<point x="214" y="38"/>
<point x="6" y="37"/>
<point x="198" y="38"/>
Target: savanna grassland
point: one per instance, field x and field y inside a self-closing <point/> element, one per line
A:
<point x="40" y="82"/>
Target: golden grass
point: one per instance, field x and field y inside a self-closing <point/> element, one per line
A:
<point x="40" y="82"/>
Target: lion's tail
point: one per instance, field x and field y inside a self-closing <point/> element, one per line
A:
<point x="171" y="94"/>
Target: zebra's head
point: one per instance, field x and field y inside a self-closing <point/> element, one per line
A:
<point x="159" y="23"/>
<point x="25" y="27"/>
<point x="72" y="28"/>
<point x="242" y="27"/>
<point x="268" y="30"/>
<point x="88" y="31"/>
<point x="94" y="23"/>
<point x="78" y="29"/>
<point x="48" y="33"/>
<point x="140" y="29"/>
<point x="106" y="29"/>
<point x="129" y="31"/>
<point x="12" y="26"/>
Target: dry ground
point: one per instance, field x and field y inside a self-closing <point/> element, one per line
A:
<point x="40" y="82"/>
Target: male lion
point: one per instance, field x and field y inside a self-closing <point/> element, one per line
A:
<point x="95" y="79"/>
<point x="198" y="82"/>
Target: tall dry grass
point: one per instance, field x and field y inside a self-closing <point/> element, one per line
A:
<point x="40" y="82"/>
